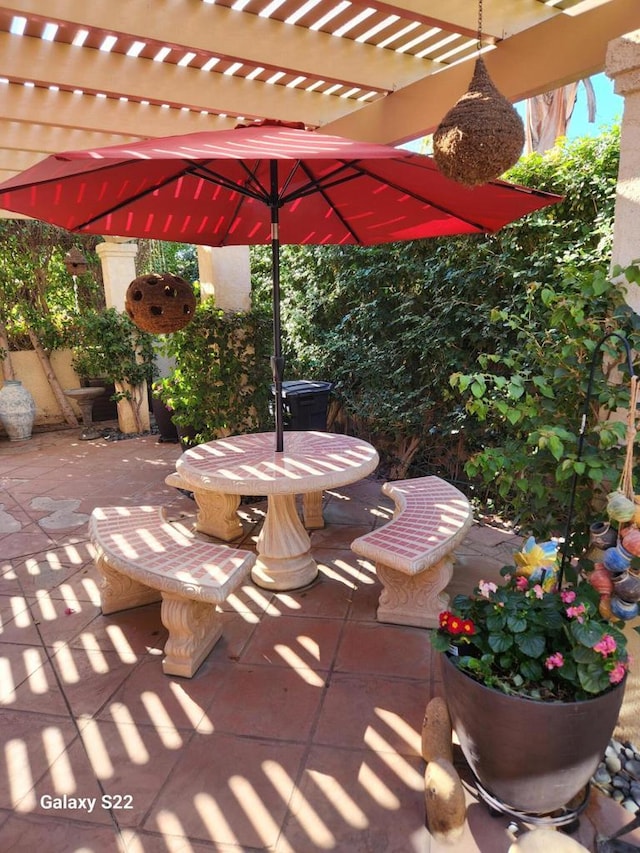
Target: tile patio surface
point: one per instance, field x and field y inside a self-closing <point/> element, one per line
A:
<point x="299" y="733"/>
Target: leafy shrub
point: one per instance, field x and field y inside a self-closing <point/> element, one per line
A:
<point x="390" y="324"/>
<point x="528" y="397"/>
<point x="221" y="381"/>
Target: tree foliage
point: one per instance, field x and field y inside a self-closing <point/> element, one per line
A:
<point x="221" y="379"/>
<point x="513" y="317"/>
<point x="36" y="291"/>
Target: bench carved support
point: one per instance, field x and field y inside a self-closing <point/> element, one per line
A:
<point x="194" y="628"/>
<point x="312" y="510"/>
<point x="119" y="592"/>
<point x="217" y="512"/>
<point x="218" y="515"/>
<point x="415" y="600"/>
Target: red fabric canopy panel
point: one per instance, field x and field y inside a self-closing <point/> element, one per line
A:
<point x="211" y="188"/>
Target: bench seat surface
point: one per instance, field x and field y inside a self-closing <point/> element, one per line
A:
<point x="432" y="517"/>
<point x="140" y="543"/>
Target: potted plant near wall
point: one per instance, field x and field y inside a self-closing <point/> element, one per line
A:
<point x="534" y="679"/>
<point x="220" y="378"/>
<point x="110" y="348"/>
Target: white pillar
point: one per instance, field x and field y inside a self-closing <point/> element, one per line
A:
<point x="623" y="67"/>
<point x="225" y="275"/>
<point x="118" y="269"/>
<point x="118" y="258"/>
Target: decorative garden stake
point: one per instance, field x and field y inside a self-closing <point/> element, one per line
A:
<point x="581" y="438"/>
<point x="482" y="135"/>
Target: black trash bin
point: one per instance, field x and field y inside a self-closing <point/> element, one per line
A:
<point x="305" y="404"/>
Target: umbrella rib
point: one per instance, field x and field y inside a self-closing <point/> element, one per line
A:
<point x="197" y="170"/>
<point x="327" y="181"/>
<point x="332" y="180"/>
<point x="202" y="170"/>
<point x="315" y="186"/>
<point x="406" y="191"/>
<point x="430" y="202"/>
<point x="130" y="199"/>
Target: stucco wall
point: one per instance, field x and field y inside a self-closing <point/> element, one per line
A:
<point x="28" y="370"/>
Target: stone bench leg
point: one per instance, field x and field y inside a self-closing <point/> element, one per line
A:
<point x="194" y="628"/>
<point x="415" y="600"/>
<point x="312" y="510"/>
<point x="218" y="515"/>
<point x="119" y="592"/>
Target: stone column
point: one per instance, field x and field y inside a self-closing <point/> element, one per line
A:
<point x="118" y="258"/>
<point x="623" y="67"/>
<point x="225" y="275"/>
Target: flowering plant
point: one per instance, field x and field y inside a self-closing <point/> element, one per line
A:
<point x="529" y="638"/>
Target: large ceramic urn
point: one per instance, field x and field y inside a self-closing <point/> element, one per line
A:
<point x="17" y="410"/>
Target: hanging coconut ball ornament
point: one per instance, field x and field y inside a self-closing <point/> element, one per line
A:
<point x="160" y="303"/>
<point x="481" y="136"/>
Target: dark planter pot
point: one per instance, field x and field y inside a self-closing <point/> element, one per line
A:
<point x="187" y="435"/>
<point x="166" y="427"/>
<point x="533" y="757"/>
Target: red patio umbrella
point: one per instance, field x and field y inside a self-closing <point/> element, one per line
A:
<point x="214" y="188"/>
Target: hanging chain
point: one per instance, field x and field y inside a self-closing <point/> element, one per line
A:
<point x="479" y="24"/>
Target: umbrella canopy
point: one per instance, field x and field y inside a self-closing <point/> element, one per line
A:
<point x="215" y="188"/>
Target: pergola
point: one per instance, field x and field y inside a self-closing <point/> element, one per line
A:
<point x="77" y="74"/>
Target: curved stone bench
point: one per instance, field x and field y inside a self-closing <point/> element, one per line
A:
<point x="413" y="553"/>
<point x="144" y="558"/>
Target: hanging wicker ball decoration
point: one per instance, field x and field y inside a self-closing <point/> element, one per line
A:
<point x="160" y="303"/>
<point x="481" y="136"/>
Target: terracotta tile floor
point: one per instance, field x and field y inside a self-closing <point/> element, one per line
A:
<point x="299" y="733"/>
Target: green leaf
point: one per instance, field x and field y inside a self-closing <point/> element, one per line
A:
<point x="593" y="679"/>
<point x="516" y="623"/>
<point x="531" y="670"/>
<point x="478" y="387"/>
<point x="532" y="645"/>
<point x="586" y="632"/>
<point x="500" y="642"/>
<point x="513" y="415"/>
<point x="556" y="447"/>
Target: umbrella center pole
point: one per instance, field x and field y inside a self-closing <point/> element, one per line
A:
<point x="277" y="361"/>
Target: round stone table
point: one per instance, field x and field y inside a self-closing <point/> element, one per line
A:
<point x="249" y="465"/>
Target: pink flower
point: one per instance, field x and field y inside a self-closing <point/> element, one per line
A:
<point x="522" y="583"/>
<point x="606" y="646"/>
<point x="576" y="612"/>
<point x="538" y="591"/>
<point x="486" y="587"/>
<point x="554" y="661"/>
<point x="567" y="596"/>
<point x="617" y="674"/>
